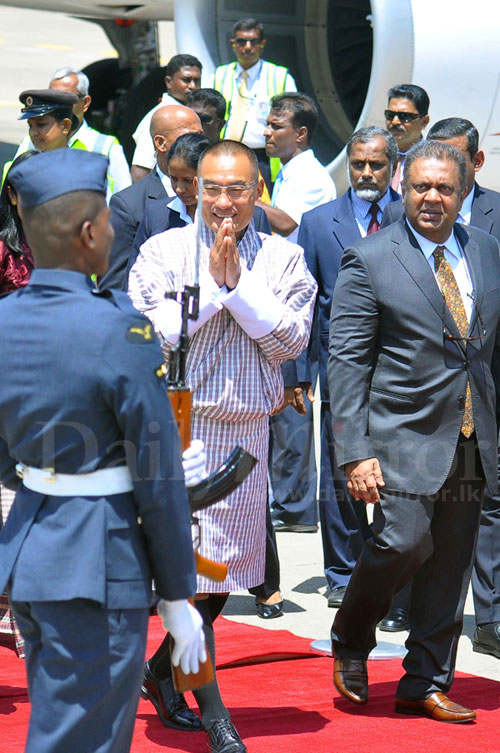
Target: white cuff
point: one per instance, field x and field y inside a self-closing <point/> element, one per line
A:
<point x="254" y="306"/>
<point x="168" y="315"/>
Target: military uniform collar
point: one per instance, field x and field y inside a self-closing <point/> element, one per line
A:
<point x="66" y="279"/>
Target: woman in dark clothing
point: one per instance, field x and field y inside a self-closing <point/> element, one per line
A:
<point x="16" y="261"/>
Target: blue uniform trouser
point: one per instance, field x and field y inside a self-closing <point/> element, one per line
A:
<point x="292" y="467"/>
<point x="84" y="666"/>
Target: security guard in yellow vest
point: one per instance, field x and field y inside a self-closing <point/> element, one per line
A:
<point x="247" y="86"/>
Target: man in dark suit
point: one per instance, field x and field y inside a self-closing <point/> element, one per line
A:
<point x="413" y="376"/>
<point x="127" y="206"/>
<point x="480" y="208"/>
<point x="324" y="234"/>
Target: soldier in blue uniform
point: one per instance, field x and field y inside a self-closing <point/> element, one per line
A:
<point x="101" y="504"/>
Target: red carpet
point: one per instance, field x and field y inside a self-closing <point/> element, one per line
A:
<point x="286" y="706"/>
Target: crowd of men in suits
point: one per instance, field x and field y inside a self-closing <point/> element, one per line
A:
<point x="405" y="343"/>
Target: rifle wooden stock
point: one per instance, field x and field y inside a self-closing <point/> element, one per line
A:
<point x="180" y="399"/>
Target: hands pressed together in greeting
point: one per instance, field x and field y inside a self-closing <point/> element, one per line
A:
<point x="224" y="263"/>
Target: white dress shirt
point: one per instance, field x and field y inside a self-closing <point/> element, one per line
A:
<point x="453" y="254"/>
<point x="302" y="184"/>
<point x="166" y="182"/>
<point x="144" y="154"/>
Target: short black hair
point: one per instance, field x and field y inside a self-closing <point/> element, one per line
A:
<point x="450" y="128"/>
<point x="414" y="93"/>
<point x="232" y="148"/>
<point x="364" y="135"/>
<point x="303" y="109"/>
<point x="189" y="147"/>
<point x="247" y="24"/>
<point x="179" y="61"/>
<point x="437" y="150"/>
<point x="210" y="97"/>
<point x="11" y="229"/>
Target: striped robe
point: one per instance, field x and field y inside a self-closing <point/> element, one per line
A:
<point x="235" y="380"/>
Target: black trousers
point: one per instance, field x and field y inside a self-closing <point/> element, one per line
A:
<point x="429" y="538"/>
<point x="272" y="572"/>
<point x="486" y="572"/>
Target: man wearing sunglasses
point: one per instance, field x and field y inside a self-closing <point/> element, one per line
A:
<point x="405" y="119"/>
<point x="414" y="378"/>
<point x="247" y="86"/>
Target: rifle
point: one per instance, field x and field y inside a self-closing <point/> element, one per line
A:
<point x="229" y="475"/>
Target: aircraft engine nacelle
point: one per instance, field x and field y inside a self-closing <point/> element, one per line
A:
<point x="348" y="53"/>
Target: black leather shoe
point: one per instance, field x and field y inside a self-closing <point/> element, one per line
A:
<point x="336" y="596"/>
<point x="351" y="679"/>
<point x="170" y="705"/>
<point x="269" y="611"/>
<point x="223" y="738"/>
<point x="395" y="620"/>
<point x="486" y="639"/>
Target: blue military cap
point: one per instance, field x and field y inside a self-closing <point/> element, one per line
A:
<point x="47" y="175"/>
<point x="41" y="101"/>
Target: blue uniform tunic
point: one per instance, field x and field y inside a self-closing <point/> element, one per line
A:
<point x="80" y="392"/>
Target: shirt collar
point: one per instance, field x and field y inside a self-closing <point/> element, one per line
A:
<point x="178" y="206"/>
<point x="80" y="131"/>
<point x="66" y="279"/>
<point x="466" y="209"/>
<point x="428" y="247"/>
<point x="362" y="206"/>
<point x="253" y="72"/>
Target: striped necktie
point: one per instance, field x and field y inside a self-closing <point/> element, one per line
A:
<point x="454" y="301"/>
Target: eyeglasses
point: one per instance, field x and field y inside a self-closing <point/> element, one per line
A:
<point x="254" y="41"/>
<point x="457" y="337"/>
<point x="213" y="191"/>
<point x="404" y="117"/>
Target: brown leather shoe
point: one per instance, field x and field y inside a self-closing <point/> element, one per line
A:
<point x="436" y="706"/>
<point x="351" y="679"/>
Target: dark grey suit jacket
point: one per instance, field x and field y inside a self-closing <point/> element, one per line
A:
<point x="397" y="384"/>
<point x="485" y="211"/>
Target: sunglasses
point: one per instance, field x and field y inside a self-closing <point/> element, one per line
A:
<point x="404" y="117"/>
<point x="255" y="41"/>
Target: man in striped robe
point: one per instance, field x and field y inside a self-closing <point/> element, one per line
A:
<point x="256" y="306"/>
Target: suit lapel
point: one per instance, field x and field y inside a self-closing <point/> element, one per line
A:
<point x="155" y="186"/>
<point x="407" y="250"/>
<point x="481" y="208"/>
<point x="345" y="228"/>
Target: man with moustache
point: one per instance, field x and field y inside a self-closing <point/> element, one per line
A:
<point x="414" y="379"/>
<point x="405" y="119"/>
<point x="324" y="234"/>
<point x="244" y="332"/>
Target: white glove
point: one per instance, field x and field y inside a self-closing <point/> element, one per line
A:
<point x="193" y="463"/>
<point x="185" y="625"/>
